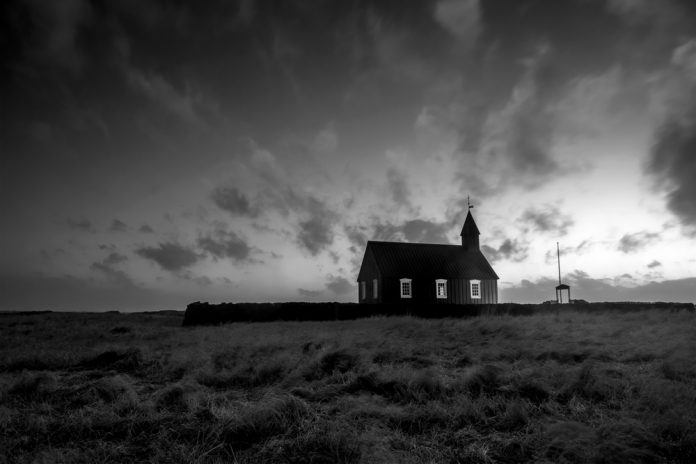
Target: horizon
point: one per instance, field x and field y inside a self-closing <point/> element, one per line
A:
<point x="155" y="155"/>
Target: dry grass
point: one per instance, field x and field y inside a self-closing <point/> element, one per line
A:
<point x="564" y="388"/>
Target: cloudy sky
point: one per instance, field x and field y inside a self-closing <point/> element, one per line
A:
<point x="155" y="153"/>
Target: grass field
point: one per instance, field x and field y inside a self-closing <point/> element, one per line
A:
<point x="567" y="387"/>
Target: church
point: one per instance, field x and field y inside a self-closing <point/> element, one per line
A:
<point x="393" y="272"/>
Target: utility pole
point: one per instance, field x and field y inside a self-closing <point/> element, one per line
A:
<point x="558" y="253"/>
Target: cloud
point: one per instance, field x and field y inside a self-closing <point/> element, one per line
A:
<point x="202" y="281"/>
<point x="225" y="244"/>
<point x="264" y="164"/>
<point x="114" y="258"/>
<point x="672" y="162"/>
<point x="357" y="235"/>
<point x="233" y="201"/>
<point x="513" y="145"/>
<point x="684" y="58"/>
<point x="278" y="189"/>
<point x="415" y="230"/>
<point x="187" y="103"/>
<point x="584" y="247"/>
<point x="326" y="141"/>
<point x="398" y="187"/>
<point x="523" y="129"/>
<point x="630" y="243"/>
<point x="462" y="18"/>
<point x="38" y="291"/>
<point x="340" y="285"/>
<point x="49" y="256"/>
<point x="146" y="229"/>
<point x="387" y="232"/>
<point x="420" y="230"/>
<point x="118" y="226"/>
<point x="170" y="256"/>
<point x="315" y="232"/>
<point x="513" y="250"/>
<point x="311" y="217"/>
<point x="80" y="224"/>
<point x="646" y="12"/>
<point x="309" y="293"/>
<point x="50" y="32"/>
<point x="591" y="104"/>
<point x="113" y="275"/>
<point x="246" y="11"/>
<point x="549" y="219"/>
<point x="392" y="56"/>
<point x="630" y="9"/>
<point x="159" y="90"/>
<point x="154" y="15"/>
<point x="654" y="263"/>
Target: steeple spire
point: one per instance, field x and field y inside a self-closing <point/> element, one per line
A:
<point x="470" y="233"/>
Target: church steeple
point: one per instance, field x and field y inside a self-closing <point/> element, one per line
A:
<point x="470" y="233"/>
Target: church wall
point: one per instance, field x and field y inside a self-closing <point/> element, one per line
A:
<point x="424" y="291"/>
<point x="369" y="272"/>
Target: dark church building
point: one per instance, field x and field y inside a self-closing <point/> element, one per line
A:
<point x="393" y="272"/>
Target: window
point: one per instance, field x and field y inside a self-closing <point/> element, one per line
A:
<point x="374" y="288"/>
<point x="363" y="293"/>
<point x="475" y="289"/>
<point x="441" y="288"/>
<point x="405" y="288"/>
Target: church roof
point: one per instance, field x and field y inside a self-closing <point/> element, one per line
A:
<point x="395" y="259"/>
<point x="469" y="226"/>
